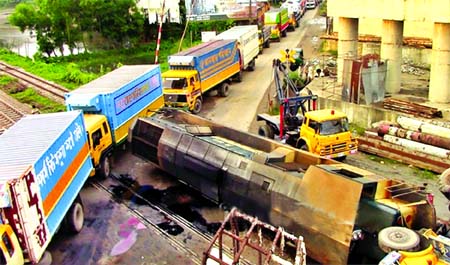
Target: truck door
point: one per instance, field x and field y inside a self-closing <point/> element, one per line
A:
<point x="308" y="131"/>
<point x="100" y="140"/>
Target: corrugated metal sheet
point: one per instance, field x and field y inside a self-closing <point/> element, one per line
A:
<point x="27" y="140"/>
<point x="114" y="80"/>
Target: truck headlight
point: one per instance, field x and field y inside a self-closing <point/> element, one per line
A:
<point x="357" y="235"/>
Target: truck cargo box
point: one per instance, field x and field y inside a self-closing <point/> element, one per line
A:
<point x="247" y="37"/>
<point x="120" y="95"/>
<point x="44" y="162"/>
<point x="214" y="60"/>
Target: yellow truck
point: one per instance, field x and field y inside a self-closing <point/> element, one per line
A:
<point x="111" y="103"/>
<point x="322" y="132"/>
<point x="207" y="66"/>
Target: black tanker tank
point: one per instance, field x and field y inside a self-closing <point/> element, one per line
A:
<point x="339" y="209"/>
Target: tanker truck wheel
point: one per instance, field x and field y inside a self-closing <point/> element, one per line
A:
<point x="197" y="106"/>
<point x="398" y="238"/>
<point x="75" y="217"/>
<point x="105" y="167"/>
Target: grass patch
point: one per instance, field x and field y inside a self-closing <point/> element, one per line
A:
<point x="354" y="128"/>
<point x="45" y="105"/>
<point x="382" y="160"/>
<point x="426" y="174"/>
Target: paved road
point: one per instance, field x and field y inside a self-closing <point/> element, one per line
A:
<point x="238" y="110"/>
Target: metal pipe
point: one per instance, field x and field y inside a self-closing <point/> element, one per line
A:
<point x="415" y="146"/>
<point x="414" y="135"/>
<point x="424" y="127"/>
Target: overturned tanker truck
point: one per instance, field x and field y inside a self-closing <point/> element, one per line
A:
<point x="339" y="209"/>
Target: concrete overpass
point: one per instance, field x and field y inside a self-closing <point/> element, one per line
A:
<point x="391" y="18"/>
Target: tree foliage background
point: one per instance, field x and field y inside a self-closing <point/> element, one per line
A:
<point x="57" y="23"/>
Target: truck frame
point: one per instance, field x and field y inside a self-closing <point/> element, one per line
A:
<point x="339" y="209"/>
<point x="323" y="132"/>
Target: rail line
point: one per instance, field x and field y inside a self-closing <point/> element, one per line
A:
<point x="42" y="86"/>
<point x="155" y="210"/>
<point x="8" y="115"/>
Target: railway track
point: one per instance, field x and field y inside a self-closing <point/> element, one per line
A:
<point x="8" y="115"/>
<point x="153" y="213"/>
<point x="42" y="86"/>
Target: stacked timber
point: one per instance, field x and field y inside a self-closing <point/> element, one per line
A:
<point x="416" y="142"/>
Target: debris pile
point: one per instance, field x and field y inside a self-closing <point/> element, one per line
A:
<point x="417" y="142"/>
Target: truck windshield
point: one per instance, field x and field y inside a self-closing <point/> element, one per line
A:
<point x="333" y="126"/>
<point x="175" y="83"/>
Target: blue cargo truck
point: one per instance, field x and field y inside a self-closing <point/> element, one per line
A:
<point x="111" y="103"/>
<point x="44" y="163"/>
<point x="204" y="67"/>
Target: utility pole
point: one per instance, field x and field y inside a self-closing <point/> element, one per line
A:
<point x="158" y="41"/>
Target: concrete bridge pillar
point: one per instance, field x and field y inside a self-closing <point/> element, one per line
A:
<point x="347" y="43"/>
<point x="391" y="51"/>
<point x="440" y="64"/>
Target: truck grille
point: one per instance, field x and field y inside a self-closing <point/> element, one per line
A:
<point x="174" y="98"/>
<point x="337" y="148"/>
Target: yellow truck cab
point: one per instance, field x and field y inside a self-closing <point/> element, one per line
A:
<point x="100" y="141"/>
<point x="326" y="133"/>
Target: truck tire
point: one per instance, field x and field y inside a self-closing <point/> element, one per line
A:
<point x="224" y="90"/>
<point x="267" y="44"/>
<point x="302" y="146"/>
<point x="397" y="238"/>
<point x="197" y="106"/>
<point x="238" y="76"/>
<point x="75" y="217"/>
<point x="46" y="258"/>
<point x="105" y="167"/>
<point x="266" y="131"/>
<point x="283" y="33"/>
<point x="251" y="65"/>
<point x="340" y="158"/>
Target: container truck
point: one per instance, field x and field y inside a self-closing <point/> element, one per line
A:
<point x="339" y="209"/>
<point x="248" y="43"/>
<point x="199" y="69"/>
<point x="278" y="20"/>
<point x="111" y="103"/>
<point x="44" y="162"/>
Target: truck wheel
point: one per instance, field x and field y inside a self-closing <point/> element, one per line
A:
<point x="340" y="158"/>
<point x="302" y="146"/>
<point x="238" y="76"/>
<point x="251" y="65"/>
<point x="224" y="90"/>
<point x="283" y="33"/>
<point x="267" y="44"/>
<point x="75" y="217"/>
<point x="46" y="258"/>
<point x="266" y="131"/>
<point x="398" y="238"/>
<point x="197" y="106"/>
<point x="105" y="167"/>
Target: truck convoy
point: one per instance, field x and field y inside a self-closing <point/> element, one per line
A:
<point x="199" y="69"/>
<point x="248" y="44"/>
<point x="111" y="103"/>
<point x="322" y="132"/>
<point x="278" y="21"/>
<point x="337" y="208"/>
<point x="44" y="162"/>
